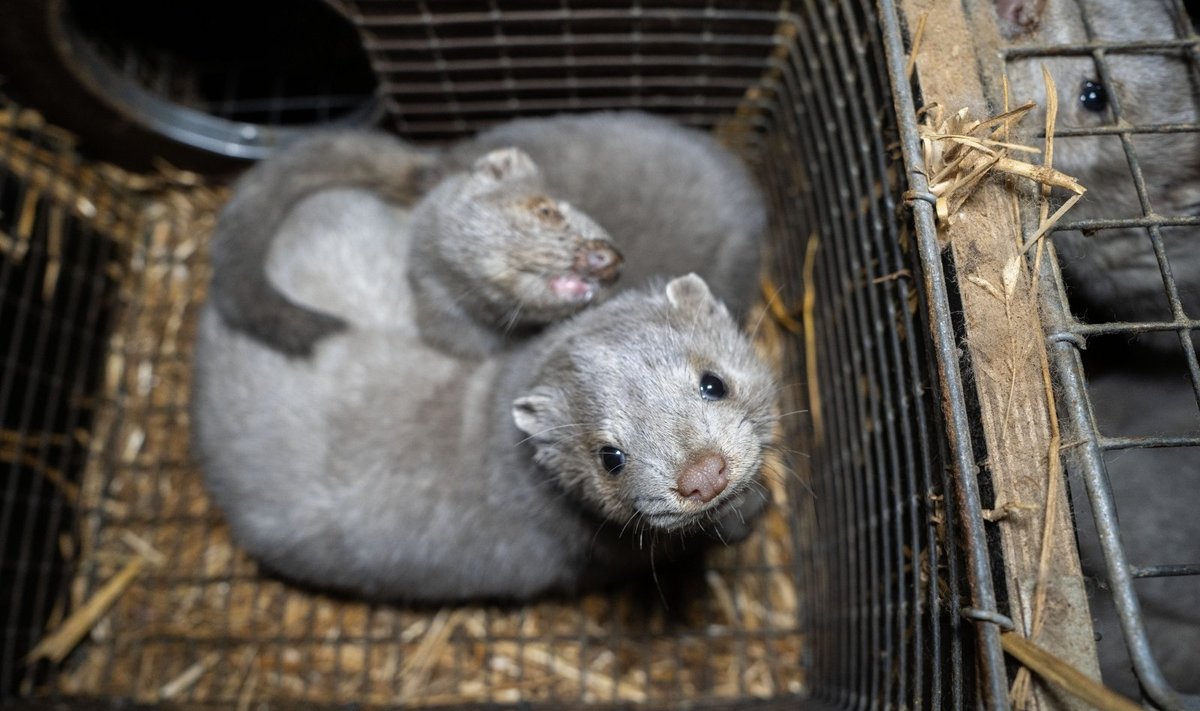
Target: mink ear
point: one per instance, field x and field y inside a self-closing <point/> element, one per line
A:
<point x="1019" y="17"/>
<point x="538" y="410"/>
<point x="505" y="164"/>
<point x="689" y="293"/>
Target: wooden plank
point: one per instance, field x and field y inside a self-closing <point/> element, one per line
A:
<point x="1006" y="346"/>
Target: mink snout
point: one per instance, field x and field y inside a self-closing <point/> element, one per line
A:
<point x="599" y="260"/>
<point x="703" y="479"/>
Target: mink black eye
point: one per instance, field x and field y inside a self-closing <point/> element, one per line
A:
<point x="549" y="212"/>
<point x="712" y="387"/>
<point x="612" y="459"/>
<point x="1093" y="96"/>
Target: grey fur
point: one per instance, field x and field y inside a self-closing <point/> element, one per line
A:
<point x="677" y="201"/>
<point x="262" y="200"/>
<point x="389" y="468"/>
<point x="1156" y="493"/>
<point x="491" y="243"/>
<point x="672" y="198"/>
<point x="1115" y="271"/>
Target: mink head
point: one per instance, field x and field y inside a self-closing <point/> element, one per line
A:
<point x="523" y="256"/>
<point x="1133" y="88"/>
<point x="652" y="409"/>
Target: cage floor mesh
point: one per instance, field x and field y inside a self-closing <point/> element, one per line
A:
<point x="200" y="623"/>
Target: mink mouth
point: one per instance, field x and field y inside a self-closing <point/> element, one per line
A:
<point x="672" y="521"/>
<point x="668" y="522"/>
<point x="573" y="288"/>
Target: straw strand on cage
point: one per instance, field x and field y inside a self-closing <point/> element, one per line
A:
<point x="57" y="645"/>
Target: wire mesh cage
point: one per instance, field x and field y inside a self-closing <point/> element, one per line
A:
<point x="57" y="296"/>
<point x="1130" y="404"/>
<point x="876" y="581"/>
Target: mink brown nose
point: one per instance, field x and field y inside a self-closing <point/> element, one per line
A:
<point x="600" y="260"/>
<point x="703" y="478"/>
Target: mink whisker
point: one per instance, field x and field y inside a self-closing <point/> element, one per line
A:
<point x="550" y="429"/>
<point x="777" y="418"/>
<point x="766" y="309"/>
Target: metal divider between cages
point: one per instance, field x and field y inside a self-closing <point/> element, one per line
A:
<point x="866" y="665"/>
<point x="851" y="254"/>
<point x="991" y="657"/>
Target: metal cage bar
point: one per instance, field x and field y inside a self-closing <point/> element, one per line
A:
<point x="994" y="685"/>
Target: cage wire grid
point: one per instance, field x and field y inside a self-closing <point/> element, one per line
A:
<point x="824" y="52"/>
<point x="869" y="643"/>
<point x="1066" y="335"/>
<point x="883" y="583"/>
<point x="54" y="287"/>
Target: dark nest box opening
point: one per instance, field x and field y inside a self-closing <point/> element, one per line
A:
<point x="193" y="82"/>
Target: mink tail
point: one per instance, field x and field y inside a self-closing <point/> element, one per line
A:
<point x="243" y="294"/>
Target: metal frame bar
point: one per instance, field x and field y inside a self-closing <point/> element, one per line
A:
<point x="1088" y="458"/>
<point x="991" y="656"/>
